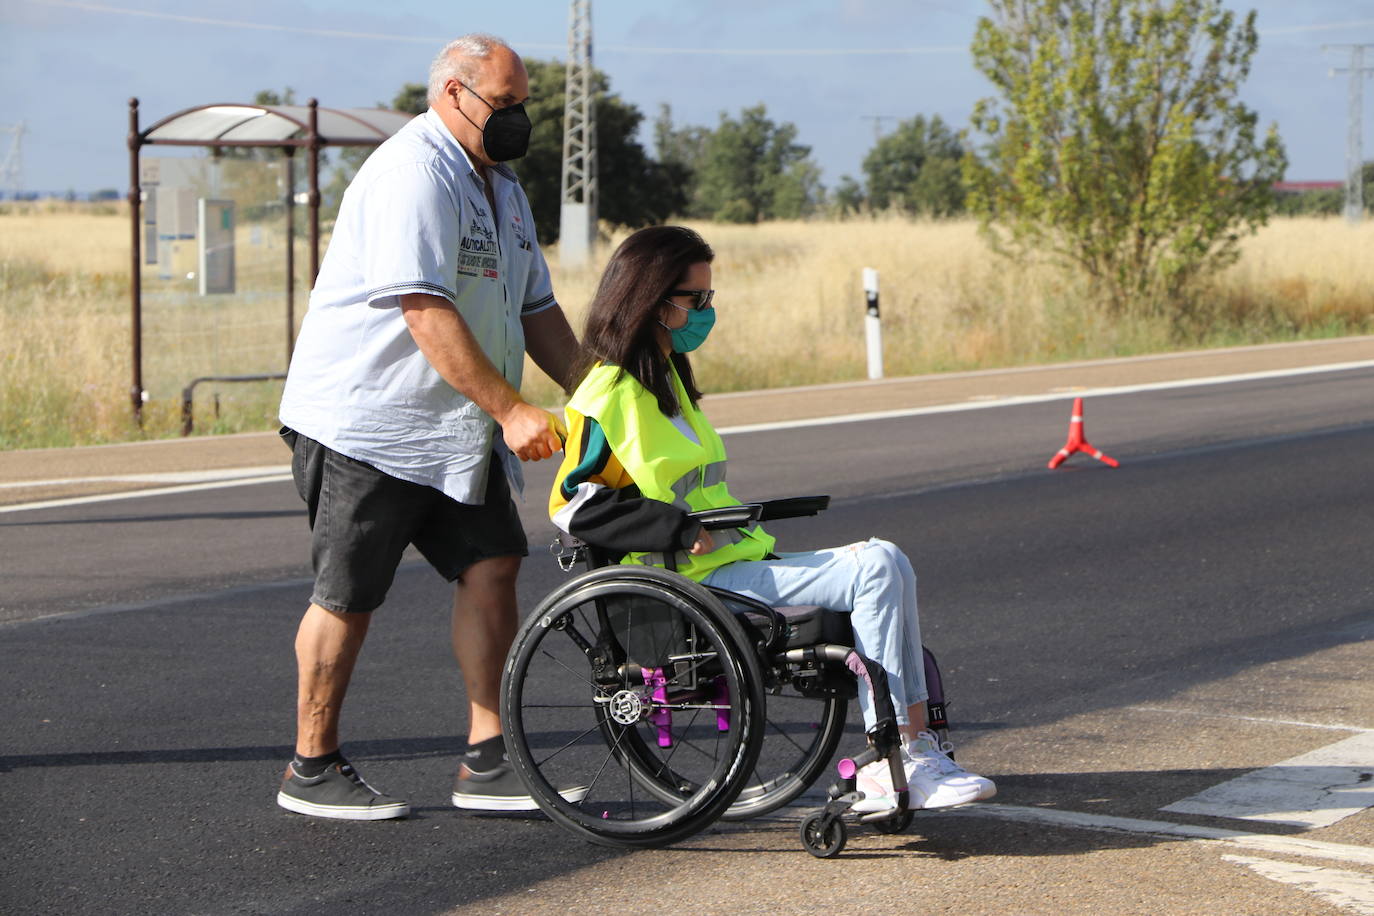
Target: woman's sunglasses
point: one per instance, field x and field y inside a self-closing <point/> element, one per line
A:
<point x="701" y="298"/>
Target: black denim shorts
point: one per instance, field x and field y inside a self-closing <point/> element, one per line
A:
<point x="361" y="521"/>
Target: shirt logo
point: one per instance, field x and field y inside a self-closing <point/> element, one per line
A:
<point x="478" y="251"/>
<point x="479" y="229"/>
<point x="521" y="238"/>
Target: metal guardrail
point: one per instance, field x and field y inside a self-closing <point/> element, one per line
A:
<point x="188" y="393"/>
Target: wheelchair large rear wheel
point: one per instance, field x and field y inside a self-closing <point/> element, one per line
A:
<point x="632" y="708"/>
<point x="800" y="736"/>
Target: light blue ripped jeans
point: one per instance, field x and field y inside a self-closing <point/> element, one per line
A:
<point x="873" y="581"/>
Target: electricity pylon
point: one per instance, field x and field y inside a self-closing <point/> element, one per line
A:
<point x="1354" y="157"/>
<point x="577" y="217"/>
<point x="12" y="168"/>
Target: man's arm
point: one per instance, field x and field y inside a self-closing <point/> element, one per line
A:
<point x="552" y="345"/>
<point x="446" y="341"/>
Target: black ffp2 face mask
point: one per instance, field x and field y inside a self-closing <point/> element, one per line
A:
<point x="506" y="134"/>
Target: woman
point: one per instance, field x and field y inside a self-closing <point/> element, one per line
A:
<point x="640" y="456"/>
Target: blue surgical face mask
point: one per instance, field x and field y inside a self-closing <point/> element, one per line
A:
<point x="691" y="335"/>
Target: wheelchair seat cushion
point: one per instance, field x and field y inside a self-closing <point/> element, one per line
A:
<point x="809" y="625"/>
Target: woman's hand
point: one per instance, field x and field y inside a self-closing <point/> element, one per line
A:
<point x="703" y="544"/>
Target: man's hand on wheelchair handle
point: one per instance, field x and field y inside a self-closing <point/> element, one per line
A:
<point x="532" y="433"/>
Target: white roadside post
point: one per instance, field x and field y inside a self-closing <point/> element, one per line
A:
<point x="872" y="325"/>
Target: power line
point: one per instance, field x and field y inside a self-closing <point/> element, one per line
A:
<point x="242" y="24"/>
<point x="430" y="40"/>
<point x="1317" y="27"/>
<point x="616" y="49"/>
<point x="621" y="49"/>
<point x="1354" y="156"/>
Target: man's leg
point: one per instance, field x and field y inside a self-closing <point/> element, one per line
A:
<point x="327" y="646"/>
<point x="485" y="618"/>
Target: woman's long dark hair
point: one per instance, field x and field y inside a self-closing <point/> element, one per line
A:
<point x="622" y="320"/>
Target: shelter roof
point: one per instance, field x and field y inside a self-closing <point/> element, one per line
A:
<point x="275" y="125"/>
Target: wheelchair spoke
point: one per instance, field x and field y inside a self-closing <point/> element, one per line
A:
<point x="565" y="746"/>
<point x="575" y="673"/>
<point x="785" y="735"/>
<point x="610" y="753"/>
<point x="712" y="756"/>
<point x="683" y="741"/>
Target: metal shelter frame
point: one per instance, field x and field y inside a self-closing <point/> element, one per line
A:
<point x="286" y="127"/>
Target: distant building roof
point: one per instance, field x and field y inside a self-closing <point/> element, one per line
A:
<point x="1308" y="185"/>
<point x="275" y="125"/>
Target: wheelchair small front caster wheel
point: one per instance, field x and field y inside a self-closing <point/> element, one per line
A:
<point x="896" y="824"/>
<point x="823" y="835"/>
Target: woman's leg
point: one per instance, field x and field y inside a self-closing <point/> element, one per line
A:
<point x="867" y="580"/>
<point x="913" y="658"/>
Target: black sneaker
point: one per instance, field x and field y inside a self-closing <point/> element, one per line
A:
<point x="499" y="789"/>
<point x="337" y="792"/>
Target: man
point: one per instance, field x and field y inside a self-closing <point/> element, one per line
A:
<point x="409" y="359"/>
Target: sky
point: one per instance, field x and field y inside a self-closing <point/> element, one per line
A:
<point x="839" y="69"/>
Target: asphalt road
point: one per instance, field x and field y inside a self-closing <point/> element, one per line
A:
<point x="1114" y="641"/>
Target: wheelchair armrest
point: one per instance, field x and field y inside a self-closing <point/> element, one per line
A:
<point x="728" y="517"/>
<point x="794" y="507"/>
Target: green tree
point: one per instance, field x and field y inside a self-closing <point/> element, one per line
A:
<point x="752" y="169"/>
<point x="632" y="189"/>
<point x="916" y="168"/>
<point x="1119" y="144"/>
<point x="683" y="147"/>
<point x="273" y="97"/>
<point x="1321" y="202"/>
<point x="848" y="197"/>
<point x="680" y="151"/>
<point x="412" y="98"/>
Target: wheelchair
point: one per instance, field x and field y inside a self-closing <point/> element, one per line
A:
<point x="640" y="706"/>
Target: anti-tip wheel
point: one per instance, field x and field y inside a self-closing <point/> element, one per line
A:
<point x="823" y="835"/>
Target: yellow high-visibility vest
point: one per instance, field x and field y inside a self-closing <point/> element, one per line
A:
<point x="665" y="464"/>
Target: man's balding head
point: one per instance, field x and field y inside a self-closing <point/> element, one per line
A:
<point x="465" y="58"/>
<point x="472" y="77"/>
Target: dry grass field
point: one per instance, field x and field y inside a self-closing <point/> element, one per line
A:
<point x="789" y="296"/>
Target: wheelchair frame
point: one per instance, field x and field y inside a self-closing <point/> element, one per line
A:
<point x="680" y="697"/>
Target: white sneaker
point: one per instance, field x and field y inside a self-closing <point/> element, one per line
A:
<point x="933" y="780"/>
<point x="934" y="757"/>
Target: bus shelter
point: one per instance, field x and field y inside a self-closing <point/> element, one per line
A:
<point x="289" y="128"/>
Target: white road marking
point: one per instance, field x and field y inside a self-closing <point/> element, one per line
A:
<point x="1059" y="395"/>
<point x="1263" y="842"/>
<point x="1018" y="400"/>
<point x="173" y="477"/>
<point x="159" y="491"/>
<point x="1260" y="719"/>
<point x="1346" y="889"/>
<point x="1315" y="789"/>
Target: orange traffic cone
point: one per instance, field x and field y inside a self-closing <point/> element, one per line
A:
<point x="1077" y="442"/>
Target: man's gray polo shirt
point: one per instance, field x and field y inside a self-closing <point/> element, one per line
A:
<point x="415" y="220"/>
